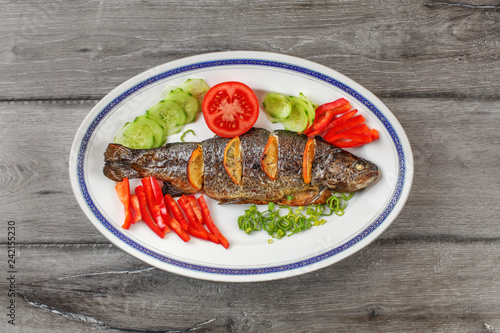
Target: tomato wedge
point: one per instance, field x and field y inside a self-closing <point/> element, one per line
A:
<point x="230" y="109"/>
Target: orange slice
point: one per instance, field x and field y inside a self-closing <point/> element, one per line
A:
<point x="307" y="161"/>
<point x="232" y="160"/>
<point x="269" y="160"/>
<point x="196" y="169"/>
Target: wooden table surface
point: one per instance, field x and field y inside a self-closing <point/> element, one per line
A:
<point x="435" y="64"/>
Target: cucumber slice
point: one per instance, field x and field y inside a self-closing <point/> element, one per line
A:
<point x="174" y="129"/>
<point x="158" y="131"/>
<point x="273" y="120"/>
<point x="166" y="91"/>
<point x="196" y="87"/>
<point x="170" y="115"/>
<point x="299" y="118"/>
<point x="187" y="101"/>
<point x="312" y="108"/>
<point x="136" y="136"/>
<point x="277" y="107"/>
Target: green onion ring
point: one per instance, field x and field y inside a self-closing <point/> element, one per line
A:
<point x="184" y="134"/>
<point x="294" y="220"/>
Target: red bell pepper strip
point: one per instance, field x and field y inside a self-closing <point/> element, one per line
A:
<point x="341" y="102"/>
<point x="323" y="119"/>
<point x="151" y="202"/>
<point x="189" y="212"/>
<point x="339" y="124"/>
<point x="134" y="202"/>
<point x="196" y="208"/>
<point x="201" y="233"/>
<point x="343" y="119"/>
<point x="365" y="138"/>
<point x="159" y="198"/>
<point x="176" y="227"/>
<point x="198" y="233"/>
<point x="374" y="133"/>
<point x="348" y="144"/>
<point x="139" y="190"/>
<point x="212" y="238"/>
<point x="193" y="221"/>
<point x="123" y="191"/>
<point x="355" y="136"/>
<point x="176" y="210"/>
<point x="359" y="129"/>
<point x="210" y="223"/>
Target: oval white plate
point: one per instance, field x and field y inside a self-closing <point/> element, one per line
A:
<point x="249" y="258"/>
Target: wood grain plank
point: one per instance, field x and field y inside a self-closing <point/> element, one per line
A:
<point x="81" y="50"/>
<point x="387" y="287"/>
<point x="34" y="179"/>
<point x="454" y="194"/>
<point x="455" y="145"/>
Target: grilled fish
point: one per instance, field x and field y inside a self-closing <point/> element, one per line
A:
<point x="333" y="169"/>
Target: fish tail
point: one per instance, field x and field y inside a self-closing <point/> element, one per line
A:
<point x="117" y="163"/>
<point x="118" y="171"/>
<point x="118" y="153"/>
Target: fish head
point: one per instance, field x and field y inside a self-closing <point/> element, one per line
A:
<point x="349" y="173"/>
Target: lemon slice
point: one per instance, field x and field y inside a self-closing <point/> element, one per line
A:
<point x="232" y="160"/>
<point x="308" y="160"/>
<point x="269" y="160"/>
<point x="196" y="169"/>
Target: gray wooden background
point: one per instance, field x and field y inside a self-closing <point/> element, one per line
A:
<point x="435" y="64"/>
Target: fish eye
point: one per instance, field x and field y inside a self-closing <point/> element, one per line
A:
<point x="359" y="165"/>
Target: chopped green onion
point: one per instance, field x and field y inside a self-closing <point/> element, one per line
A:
<point x="291" y="221"/>
<point x="184" y="134"/>
<point x="289" y="197"/>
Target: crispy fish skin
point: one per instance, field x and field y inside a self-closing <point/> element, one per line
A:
<point x="257" y="187"/>
<point x="290" y="178"/>
<point x="333" y="169"/>
<point x="168" y="163"/>
<point x="255" y="183"/>
<point x="217" y="183"/>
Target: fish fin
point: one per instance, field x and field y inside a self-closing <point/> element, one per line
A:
<point x="303" y="198"/>
<point x="321" y="197"/>
<point x="118" y="153"/>
<point x="230" y="202"/>
<point x="242" y="201"/>
<point x="306" y="198"/>
<point x="173" y="190"/>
